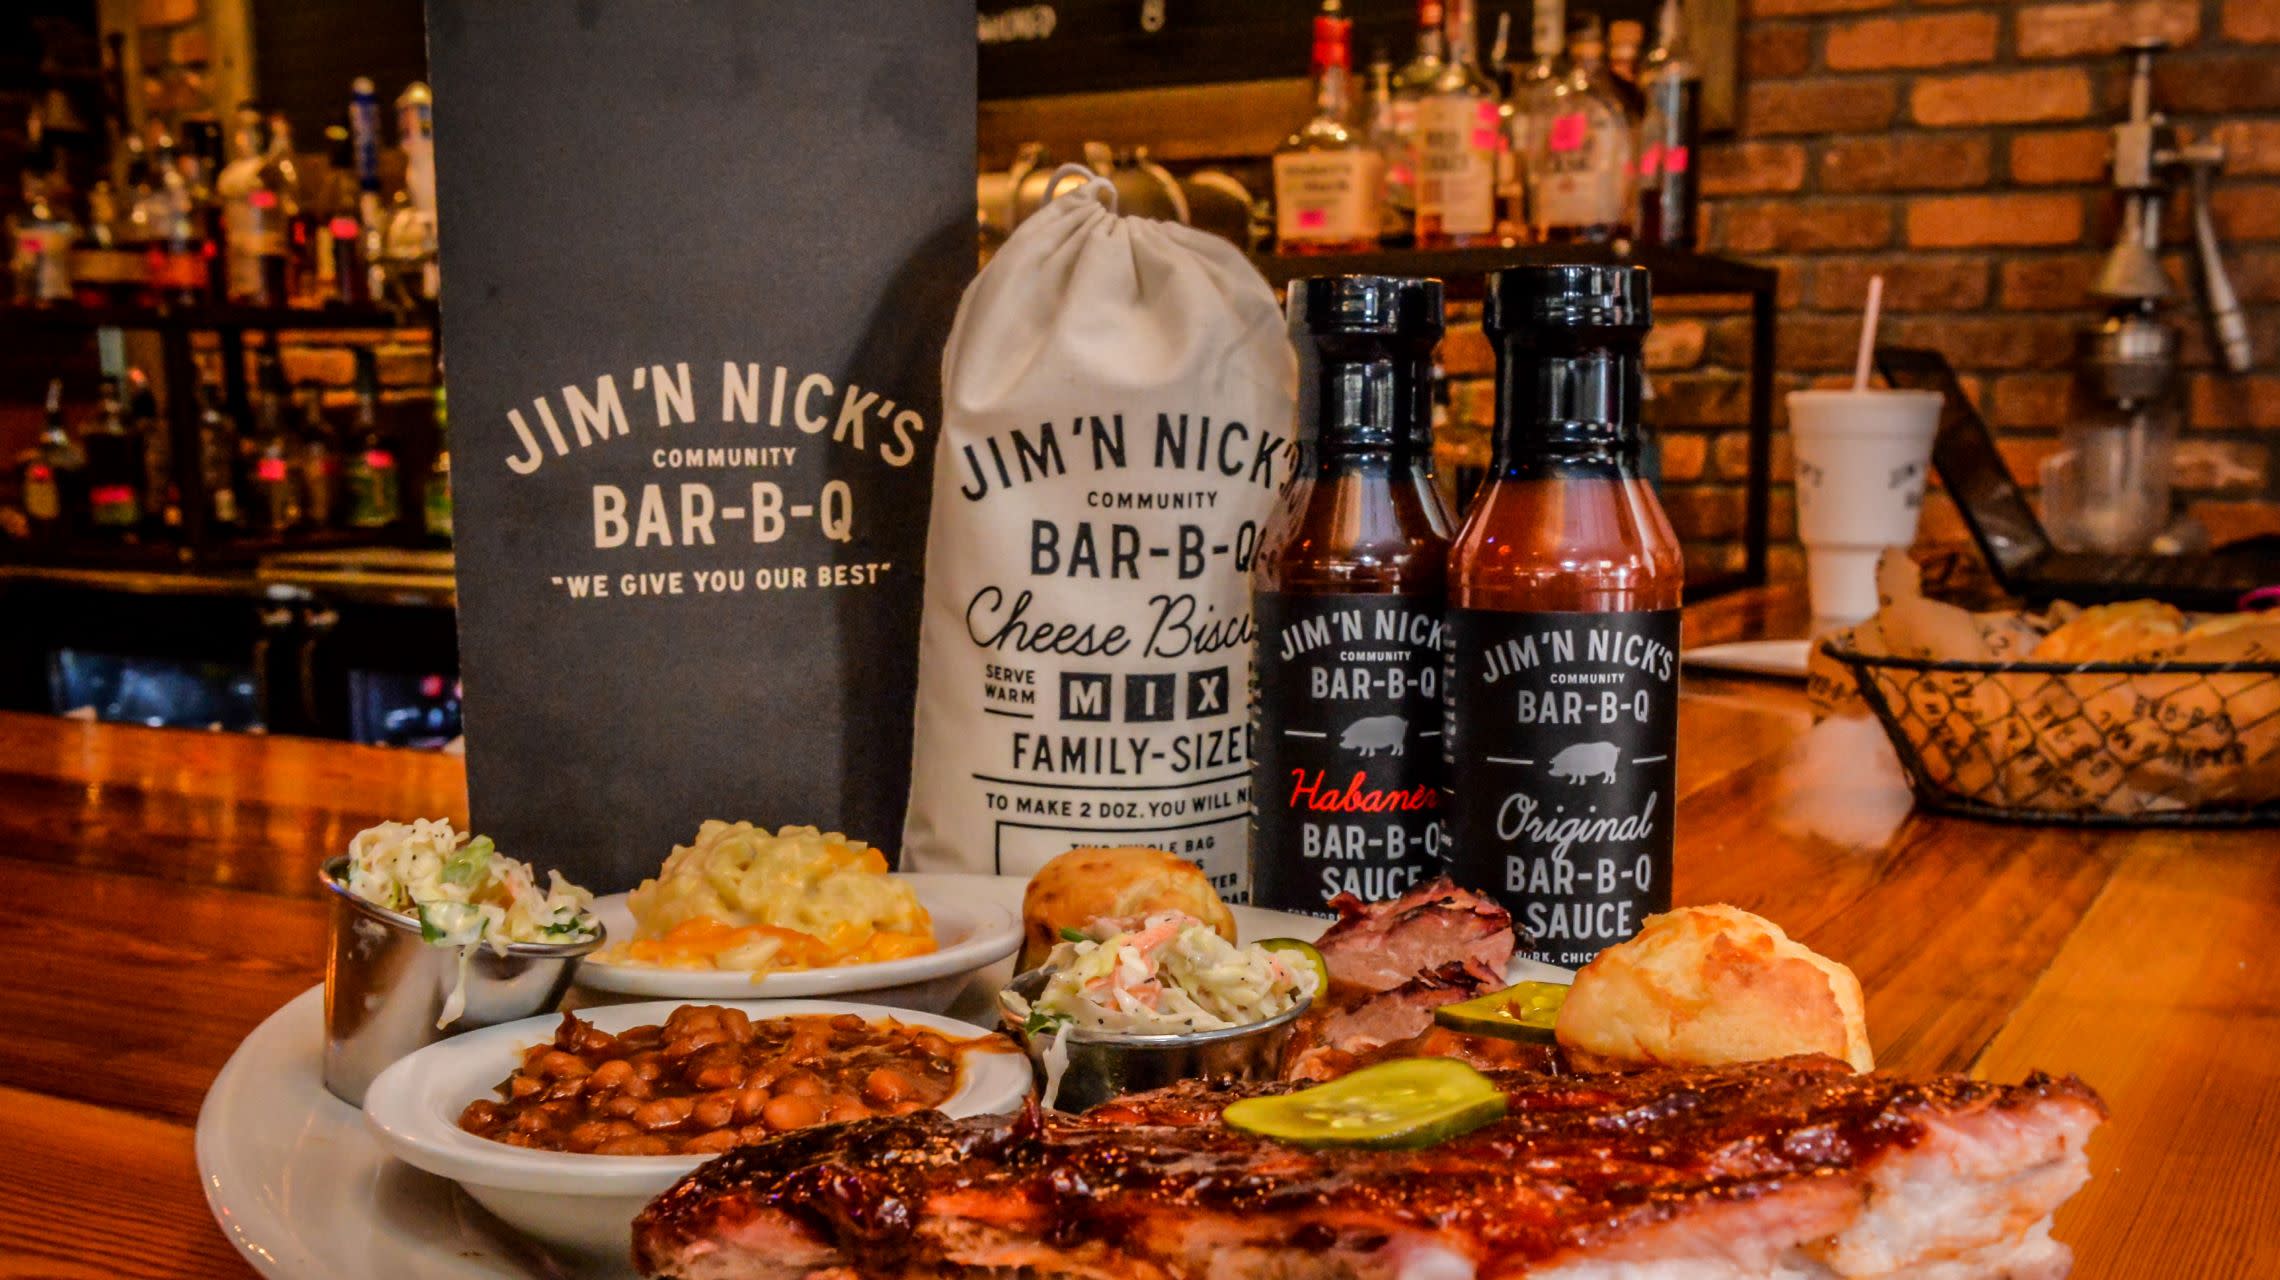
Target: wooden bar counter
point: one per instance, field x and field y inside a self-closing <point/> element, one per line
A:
<point x="162" y="896"/>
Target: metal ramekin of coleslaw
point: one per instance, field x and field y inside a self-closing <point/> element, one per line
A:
<point x="1117" y="1009"/>
<point x="434" y="932"/>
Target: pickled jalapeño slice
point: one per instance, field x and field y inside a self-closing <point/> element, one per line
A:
<point x="1406" y="1103"/>
<point x="1522" y="1011"/>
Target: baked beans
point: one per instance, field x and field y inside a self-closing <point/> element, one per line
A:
<point x="710" y="1079"/>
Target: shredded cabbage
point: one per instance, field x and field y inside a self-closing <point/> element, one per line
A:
<point x="1174" y="974"/>
<point x="464" y="892"/>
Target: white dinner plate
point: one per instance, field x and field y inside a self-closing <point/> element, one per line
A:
<point x="973" y="928"/>
<point x="304" y="1189"/>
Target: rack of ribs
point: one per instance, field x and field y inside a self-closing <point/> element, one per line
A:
<point x="1793" y="1169"/>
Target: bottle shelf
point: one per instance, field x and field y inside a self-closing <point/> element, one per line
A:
<point x="198" y="545"/>
<point x="224" y="551"/>
<point x="217" y="318"/>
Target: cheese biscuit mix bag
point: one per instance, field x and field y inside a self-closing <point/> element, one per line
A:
<point x="1118" y="401"/>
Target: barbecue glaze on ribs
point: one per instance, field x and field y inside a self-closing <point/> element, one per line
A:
<point x="1791" y="1169"/>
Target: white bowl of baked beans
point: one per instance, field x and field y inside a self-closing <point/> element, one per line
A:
<point x="564" y="1126"/>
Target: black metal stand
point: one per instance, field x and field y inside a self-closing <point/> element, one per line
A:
<point x="1677" y="273"/>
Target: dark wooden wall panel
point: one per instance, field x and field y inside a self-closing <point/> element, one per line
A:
<point x="305" y="52"/>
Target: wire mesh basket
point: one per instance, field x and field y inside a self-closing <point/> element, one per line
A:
<point x="2101" y="743"/>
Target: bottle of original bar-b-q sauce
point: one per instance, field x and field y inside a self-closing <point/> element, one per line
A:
<point x="1348" y="589"/>
<point x="1563" y="626"/>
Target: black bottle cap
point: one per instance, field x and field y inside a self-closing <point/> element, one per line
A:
<point x="1365" y="346"/>
<point x="1381" y="306"/>
<point x="1568" y="369"/>
<point x="1581" y="298"/>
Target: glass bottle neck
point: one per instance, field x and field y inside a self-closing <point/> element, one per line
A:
<point x="1431" y="44"/>
<point x="1548" y="34"/>
<point x="1333" y="93"/>
<point x="1568" y="406"/>
<point x="1321" y="461"/>
<point x="1463" y="34"/>
<point x="1362" y="397"/>
<point x="1670" y="33"/>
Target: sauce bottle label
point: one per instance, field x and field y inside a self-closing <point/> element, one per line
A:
<point x="1562" y="740"/>
<point x="1345" y="742"/>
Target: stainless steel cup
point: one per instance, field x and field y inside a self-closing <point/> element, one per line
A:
<point x="1104" y="1066"/>
<point x="385" y="986"/>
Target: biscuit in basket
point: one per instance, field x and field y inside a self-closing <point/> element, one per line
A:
<point x="2134" y="629"/>
<point x="1083" y="885"/>
<point x="1700" y="986"/>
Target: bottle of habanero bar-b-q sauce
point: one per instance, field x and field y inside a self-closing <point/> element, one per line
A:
<point x="1347" y="595"/>
<point x="1563" y="626"/>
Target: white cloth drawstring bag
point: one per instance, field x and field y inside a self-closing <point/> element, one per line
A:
<point x="1118" y="407"/>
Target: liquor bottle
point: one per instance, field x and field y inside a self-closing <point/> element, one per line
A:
<point x="317" y="461"/>
<point x="217" y="463"/>
<point x="161" y="499"/>
<point x="107" y="267"/>
<point x="1669" y="137"/>
<point x="1398" y="190"/>
<point x="1409" y="86"/>
<point x="1456" y="145"/>
<point x="212" y="212"/>
<point x="375" y="486"/>
<point x="1531" y="103"/>
<point x="172" y="261"/>
<point x="1348" y="590"/>
<point x="1580" y="170"/>
<point x="341" y="274"/>
<point x="1328" y="181"/>
<point x="279" y="198"/>
<point x="435" y="495"/>
<point x="52" y="475"/>
<point x="1562" y="631"/>
<point x="364" y="143"/>
<point x="249" y="220"/>
<point x="1511" y="183"/>
<point x="272" y="492"/>
<point x="415" y="133"/>
<point x="115" y="475"/>
<point x="1623" y="41"/>
<point x="41" y="235"/>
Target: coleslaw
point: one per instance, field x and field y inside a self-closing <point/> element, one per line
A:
<point x="1172" y="975"/>
<point x="464" y="893"/>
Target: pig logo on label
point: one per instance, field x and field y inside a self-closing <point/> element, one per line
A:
<point x="1586" y="760"/>
<point x="1373" y="734"/>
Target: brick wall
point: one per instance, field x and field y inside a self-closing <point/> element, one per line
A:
<point x="1959" y="149"/>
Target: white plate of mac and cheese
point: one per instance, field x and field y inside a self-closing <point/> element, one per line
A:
<point x="745" y="913"/>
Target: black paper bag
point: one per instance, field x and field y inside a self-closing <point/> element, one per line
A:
<point x="699" y="261"/>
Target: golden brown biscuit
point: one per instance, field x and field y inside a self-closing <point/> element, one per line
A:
<point x="1701" y="986"/>
<point x="2114" y="633"/>
<point x="1083" y="885"/>
<point x="2230" y="637"/>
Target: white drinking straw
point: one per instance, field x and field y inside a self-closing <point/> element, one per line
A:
<point x="1868" y="332"/>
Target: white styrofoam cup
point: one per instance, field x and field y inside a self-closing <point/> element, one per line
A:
<point x="1862" y="458"/>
